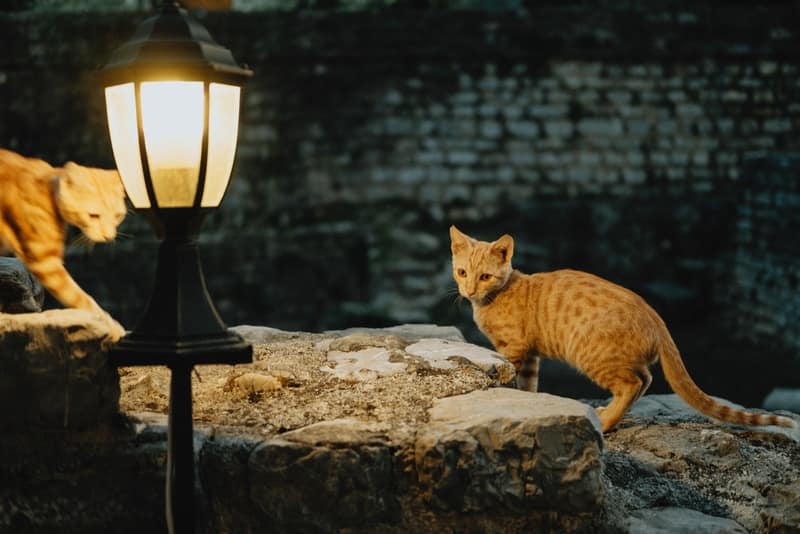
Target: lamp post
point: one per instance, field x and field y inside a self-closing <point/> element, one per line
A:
<point x="172" y="99"/>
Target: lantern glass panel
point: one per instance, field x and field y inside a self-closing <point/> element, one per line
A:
<point x="172" y="120"/>
<point x="121" y="110"/>
<point x="223" y="125"/>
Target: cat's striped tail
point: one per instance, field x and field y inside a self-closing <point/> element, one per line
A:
<point x="682" y="384"/>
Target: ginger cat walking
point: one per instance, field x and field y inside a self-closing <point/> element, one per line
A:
<point x="36" y="203"/>
<point x="605" y="331"/>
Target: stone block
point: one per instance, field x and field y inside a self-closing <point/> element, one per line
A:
<point x="523" y="129"/>
<point x="558" y="128"/>
<point x="324" y="476"/>
<point x="20" y="291"/>
<point x="510" y="449"/>
<point x="600" y="127"/>
<point x="679" y="520"/>
<point x="491" y="129"/>
<point x="778" y="125"/>
<point x="549" y="111"/>
<point x="55" y="371"/>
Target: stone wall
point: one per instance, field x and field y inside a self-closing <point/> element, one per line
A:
<point x="608" y="137"/>
<point x="763" y="299"/>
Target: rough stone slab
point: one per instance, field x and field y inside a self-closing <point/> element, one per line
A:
<point x="683" y="460"/>
<point x="673" y="520"/>
<point x="439" y="353"/>
<point x="671" y="406"/>
<point x="410" y="332"/>
<point x="330" y="475"/>
<point x="508" y="448"/>
<point x="362" y="356"/>
<point x="260" y="335"/>
<point x="366" y="364"/>
<point x="54" y="370"/>
<point x="783" y="399"/>
<point x="20" y="291"/>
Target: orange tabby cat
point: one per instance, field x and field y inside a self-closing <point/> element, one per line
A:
<point x="604" y="330"/>
<point x="36" y="200"/>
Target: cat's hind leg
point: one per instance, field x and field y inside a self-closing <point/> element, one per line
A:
<point x="626" y="385"/>
<point x="525" y="361"/>
<point x="528" y="373"/>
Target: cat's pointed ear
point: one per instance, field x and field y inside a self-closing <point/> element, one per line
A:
<point x="70" y="172"/>
<point x="504" y="247"/>
<point x="459" y="241"/>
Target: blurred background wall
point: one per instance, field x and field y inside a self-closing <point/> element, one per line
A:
<point x="653" y="143"/>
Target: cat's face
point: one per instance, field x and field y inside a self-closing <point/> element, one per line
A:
<point x="479" y="267"/>
<point x="91" y="199"/>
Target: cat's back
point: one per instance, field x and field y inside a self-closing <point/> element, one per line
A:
<point x="19" y="174"/>
<point x="585" y="292"/>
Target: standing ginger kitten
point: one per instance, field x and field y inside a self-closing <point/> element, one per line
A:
<point x="36" y="202"/>
<point x="605" y="331"/>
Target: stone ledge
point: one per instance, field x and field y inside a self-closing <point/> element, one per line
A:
<point x="54" y="371"/>
<point x="477" y="458"/>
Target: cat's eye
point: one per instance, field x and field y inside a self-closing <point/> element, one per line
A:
<point x="484" y="277"/>
<point x="462" y="273"/>
<point x="94" y="215"/>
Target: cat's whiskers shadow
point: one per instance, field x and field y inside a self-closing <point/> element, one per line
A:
<point x="81" y="242"/>
<point x="458" y="298"/>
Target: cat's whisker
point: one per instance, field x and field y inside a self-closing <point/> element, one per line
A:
<point x="79" y="241"/>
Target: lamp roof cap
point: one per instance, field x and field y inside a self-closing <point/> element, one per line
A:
<point x="171" y="45"/>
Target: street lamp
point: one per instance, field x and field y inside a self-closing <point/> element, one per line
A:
<point x="172" y="99"/>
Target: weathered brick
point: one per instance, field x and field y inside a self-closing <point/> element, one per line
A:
<point x="638" y="126"/>
<point x="600" y="127"/>
<point x="634" y="176"/>
<point x="462" y="158"/>
<point x="548" y="111"/>
<point x="689" y="110"/>
<point x="522" y="153"/>
<point x="558" y="128"/>
<point x="778" y="125"/>
<point x="523" y="129"/>
<point x="491" y="129"/>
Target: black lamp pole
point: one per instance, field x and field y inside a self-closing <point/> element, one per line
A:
<point x="181" y="327"/>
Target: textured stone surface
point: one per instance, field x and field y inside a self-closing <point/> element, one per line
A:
<point x="508" y="448"/>
<point x="672" y="520"/>
<point x="409" y="332"/>
<point x="54" y="371"/>
<point x="362" y="356"/>
<point x="332" y="474"/>
<point x="20" y="291"/>
<point x="762" y="299"/>
<point x="783" y="399"/>
<point x="665" y="454"/>
<point x="515" y="461"/>
<point x="441" y="353"/>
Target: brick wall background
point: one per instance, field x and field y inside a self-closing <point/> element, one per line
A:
<point x="763" y="303"/>
<point x="609" y="136"/>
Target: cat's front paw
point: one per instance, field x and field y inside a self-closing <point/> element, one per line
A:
<point x="114" y="329"/>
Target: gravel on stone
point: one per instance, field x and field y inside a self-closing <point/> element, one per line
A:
<point x="305" y="394"/>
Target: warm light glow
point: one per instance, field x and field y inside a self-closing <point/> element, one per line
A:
<point x="121" y="110"/>
<point x="223" y="125"/>
<point x="172" y="123"/>
<point x="172" y="120"/>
